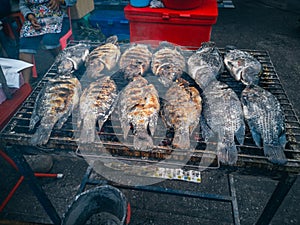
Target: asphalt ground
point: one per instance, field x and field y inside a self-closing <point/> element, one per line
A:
<point x="252" y="24"/>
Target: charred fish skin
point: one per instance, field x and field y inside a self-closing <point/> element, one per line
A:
<point x="265" y="118"/>
<point x="168" y="63"/>
<point x="55" y="103"/>
<point x="222" y="118"/>
<point x="138" y="108"/>
<point x="206" y="64"/>
<point x="181" y="110"/>
<point x="103" y="57"/>
<point x="96" y="105"/>
<point x="243" y="66"/>
<point x="135" y="60"/>
<point x="71" y="58"/>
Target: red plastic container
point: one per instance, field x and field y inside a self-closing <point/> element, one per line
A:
<point x="182" y="4"/>
<point x="185" y="27"/>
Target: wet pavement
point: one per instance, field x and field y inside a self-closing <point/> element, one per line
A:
<point x="252" y="24"/>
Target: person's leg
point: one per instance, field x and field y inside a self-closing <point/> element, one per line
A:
<point x="28" y="47"/>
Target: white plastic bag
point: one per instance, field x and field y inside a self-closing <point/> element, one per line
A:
<point x="11" y="69"/>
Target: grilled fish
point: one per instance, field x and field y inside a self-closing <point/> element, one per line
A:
<point x="181" y="110"/>
<point x="71" y="58"/>
<point x="243" y="66"/>
<point x="168" y="63"/>
<point x="266" y="121"/>
<point x="135" y="60"/>
<point x="206" y="64"/>
<point x="96" y="104"/>
<point x="139" y="108"/>
<point x="103" y="57"/>
<point x="222" y="118"/>
<point x="54" y="105"/>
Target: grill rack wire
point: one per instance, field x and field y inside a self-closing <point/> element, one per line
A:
<point x="16" y="132"/>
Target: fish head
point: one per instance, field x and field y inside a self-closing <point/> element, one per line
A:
<point x="249" y="76"/>
<point x="94" y="70"/>
<point x="134" y="69"/>
<point x="168" y="73"/>
<point x="66" y="66"/>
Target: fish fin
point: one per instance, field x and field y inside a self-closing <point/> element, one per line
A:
<point x="41" y="136"/>
<point x="282" y="140"/>
<point x="142" y="141"/>
<point x="33" y="121"/>
<point x="152" y="124"/>
<point x="227" y="153"/>
<point x="275" y="154"/>
<point x="101" y="122"/>
<point x="126" y="129"/>
<point x="240" y="134"/>
<point x="88" y="132"/>
<point x="205" y="129"/>
<point x="256" y="137"/>
<point x="181" y="140"/>
<point x="112" y="39"/>
<point x="62" y="121"/>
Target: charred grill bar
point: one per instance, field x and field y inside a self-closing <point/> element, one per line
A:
<point x="15" y="138"/>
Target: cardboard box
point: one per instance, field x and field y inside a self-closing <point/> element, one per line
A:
<point x="183" y="27"/>
<point x="81" y="8"/>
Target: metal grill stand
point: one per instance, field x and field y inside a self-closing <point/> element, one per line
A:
<point x="15" y="139"/>
<point x="230" y="198"/>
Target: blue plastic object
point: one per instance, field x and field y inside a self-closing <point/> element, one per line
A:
<point x="139" y="3"/>
<point x="111" y="22"/>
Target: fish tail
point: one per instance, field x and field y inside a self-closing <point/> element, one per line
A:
<point x="142" y="141"/>
<point x="275" y="154"/>
<point x="41" y="136"/>
<point x="181" y="141"/>
<point x="227" y="153"/>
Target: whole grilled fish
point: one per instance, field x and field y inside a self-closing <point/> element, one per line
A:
<point x="135" y="60"/>
<point x="54" y="105"/>
<point x="222" y="118"/>
<point x="206" y="64"/>
<point x="266" y="121"/>
<point x="243" y="66"/>
<point x="103" y="57"/>
<point x="181" y="110"/>
<point x="168" y="63"/>
<point x="71" y="58"/>
<point x="96" y="104"/>
<point x="139" y="108"/>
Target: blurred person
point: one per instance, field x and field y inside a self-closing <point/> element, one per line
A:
<point x="45" y="21"/>
<point x="5" y="10"/>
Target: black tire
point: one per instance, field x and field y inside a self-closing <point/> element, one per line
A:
<point x="105" y="204"/>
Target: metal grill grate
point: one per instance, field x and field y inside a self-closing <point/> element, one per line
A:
<point x="17" y="131"/>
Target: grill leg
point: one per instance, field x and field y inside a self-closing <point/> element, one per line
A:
<point x="234" y="204"/>
<point x="281" y="190"/>
<point x="33" y="183"/>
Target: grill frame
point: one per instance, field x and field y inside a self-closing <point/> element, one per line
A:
<point x="249" y="155"/>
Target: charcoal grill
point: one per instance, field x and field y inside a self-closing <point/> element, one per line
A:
<point x="15" y="138"/>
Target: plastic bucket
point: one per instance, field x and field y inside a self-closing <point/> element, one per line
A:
<point x="107" y="203"/>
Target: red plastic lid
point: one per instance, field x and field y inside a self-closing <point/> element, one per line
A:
<point x="208" y="10"/>
<point x="182" y="5"/>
